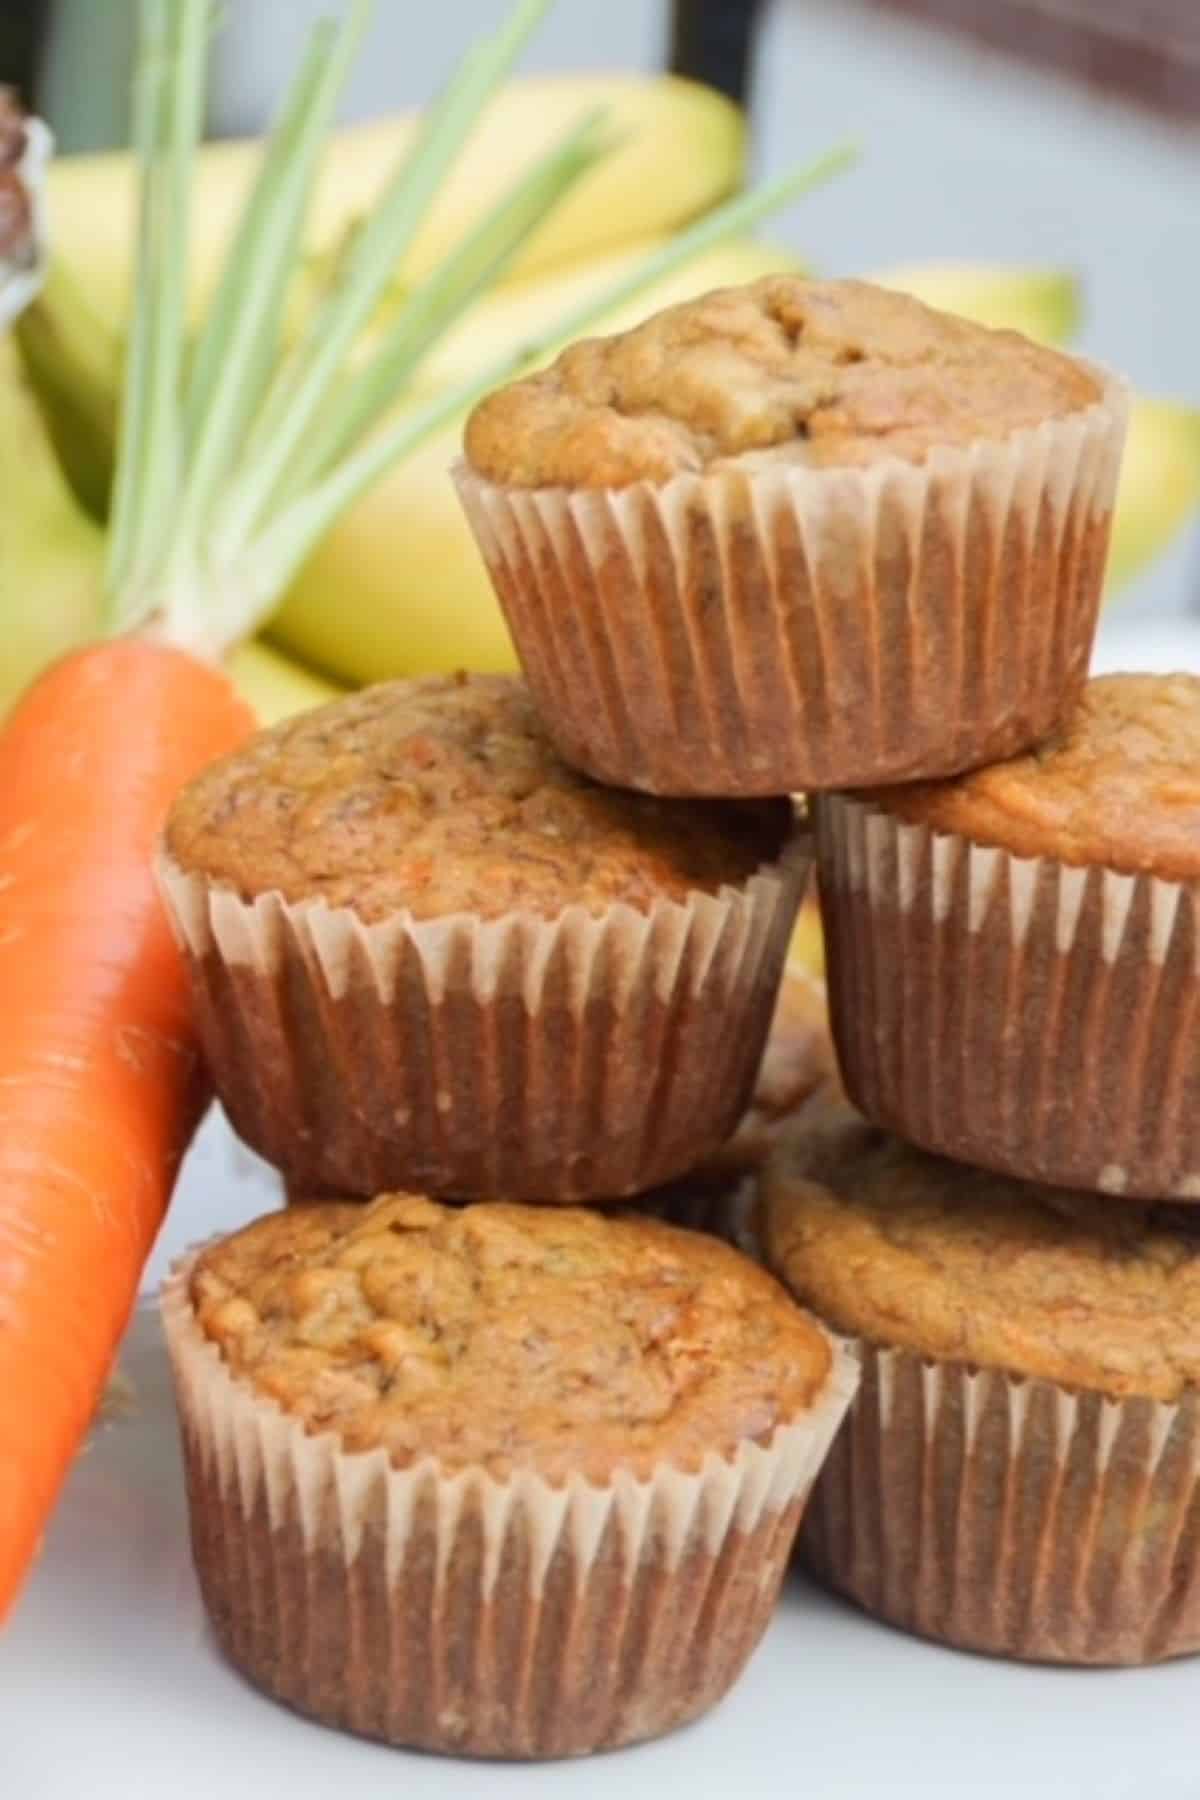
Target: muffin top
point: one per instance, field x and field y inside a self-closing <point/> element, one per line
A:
<point x="508" y="1336"/>
<point x="1118" y="785"/>
<point x="911" y="1251"/>
<point x="442" y="795"/>
<point x="825" y="373"/>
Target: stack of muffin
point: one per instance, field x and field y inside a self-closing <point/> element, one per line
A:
<point x="848" y="547"/>
<point x="473" y="1471"/>
<point x="490" y="1476"/>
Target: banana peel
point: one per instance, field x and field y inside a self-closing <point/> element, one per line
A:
<point x="1043" y="304"/>
<point x="679" y="149"/>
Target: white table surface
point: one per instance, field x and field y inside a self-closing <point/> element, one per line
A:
<point x="110" y="1685"/>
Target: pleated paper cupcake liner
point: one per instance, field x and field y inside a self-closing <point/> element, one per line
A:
<point x="1013" y="1517"/>
<point x="773" y="629"/>
<point x="584" y="1057"/>
<point x="1017" y="1013"/>
<point x="462" y="1613"/>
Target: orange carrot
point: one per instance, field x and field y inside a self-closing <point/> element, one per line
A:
<point x="100" y="1083"/>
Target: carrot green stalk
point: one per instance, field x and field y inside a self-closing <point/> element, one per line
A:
<point x="234" y="454"/>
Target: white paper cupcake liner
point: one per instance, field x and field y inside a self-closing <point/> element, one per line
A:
<point x="772" y="629"/>
<point x="463" y="1613"/>
<point x="1017" y="1013"/>
<point x="587" y="1056"/>
<point x="1014" y="1517"/>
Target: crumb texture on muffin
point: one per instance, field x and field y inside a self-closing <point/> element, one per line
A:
<point x="441" y="795"/>
<point x="908" y="1250"/>
<point x="508" y="1336"/>
<point x="824" y="373"/>
<point x="1118" y="785"/>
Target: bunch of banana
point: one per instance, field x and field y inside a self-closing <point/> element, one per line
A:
<point x="397" y="586"/>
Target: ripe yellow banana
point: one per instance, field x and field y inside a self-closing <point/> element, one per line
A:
<point x="1045" y="304"/>
<point x="52" y="564"/>
<point x="680" y="148"/>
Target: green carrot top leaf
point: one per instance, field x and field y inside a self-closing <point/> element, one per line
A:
<point x="238" y="451"/>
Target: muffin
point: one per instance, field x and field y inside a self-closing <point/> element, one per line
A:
<point x="495" y="1480"/>
<point x="1020" y="1471"/>
<point x="425" y="953"/>
<point x="796" y="535"/>
<point x="1013" y="955"/>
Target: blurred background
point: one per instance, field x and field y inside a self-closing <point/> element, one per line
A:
<point x="1064" y="133"/>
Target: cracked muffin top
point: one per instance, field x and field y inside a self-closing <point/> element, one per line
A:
<point x="442" y="795"/>
<point x="508" y="1336"/>
<point x="1117" y="785"/>
<point x="912" y="1251"/>
<point x="785" y="370"/>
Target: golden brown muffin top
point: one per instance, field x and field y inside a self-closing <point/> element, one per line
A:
<point x="1118" y="785"/>
<point x="914" y="1252"/>
<point x="442" y="795"/>
<point x="508" y="1336"/>
<point x="824" y="373"/>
